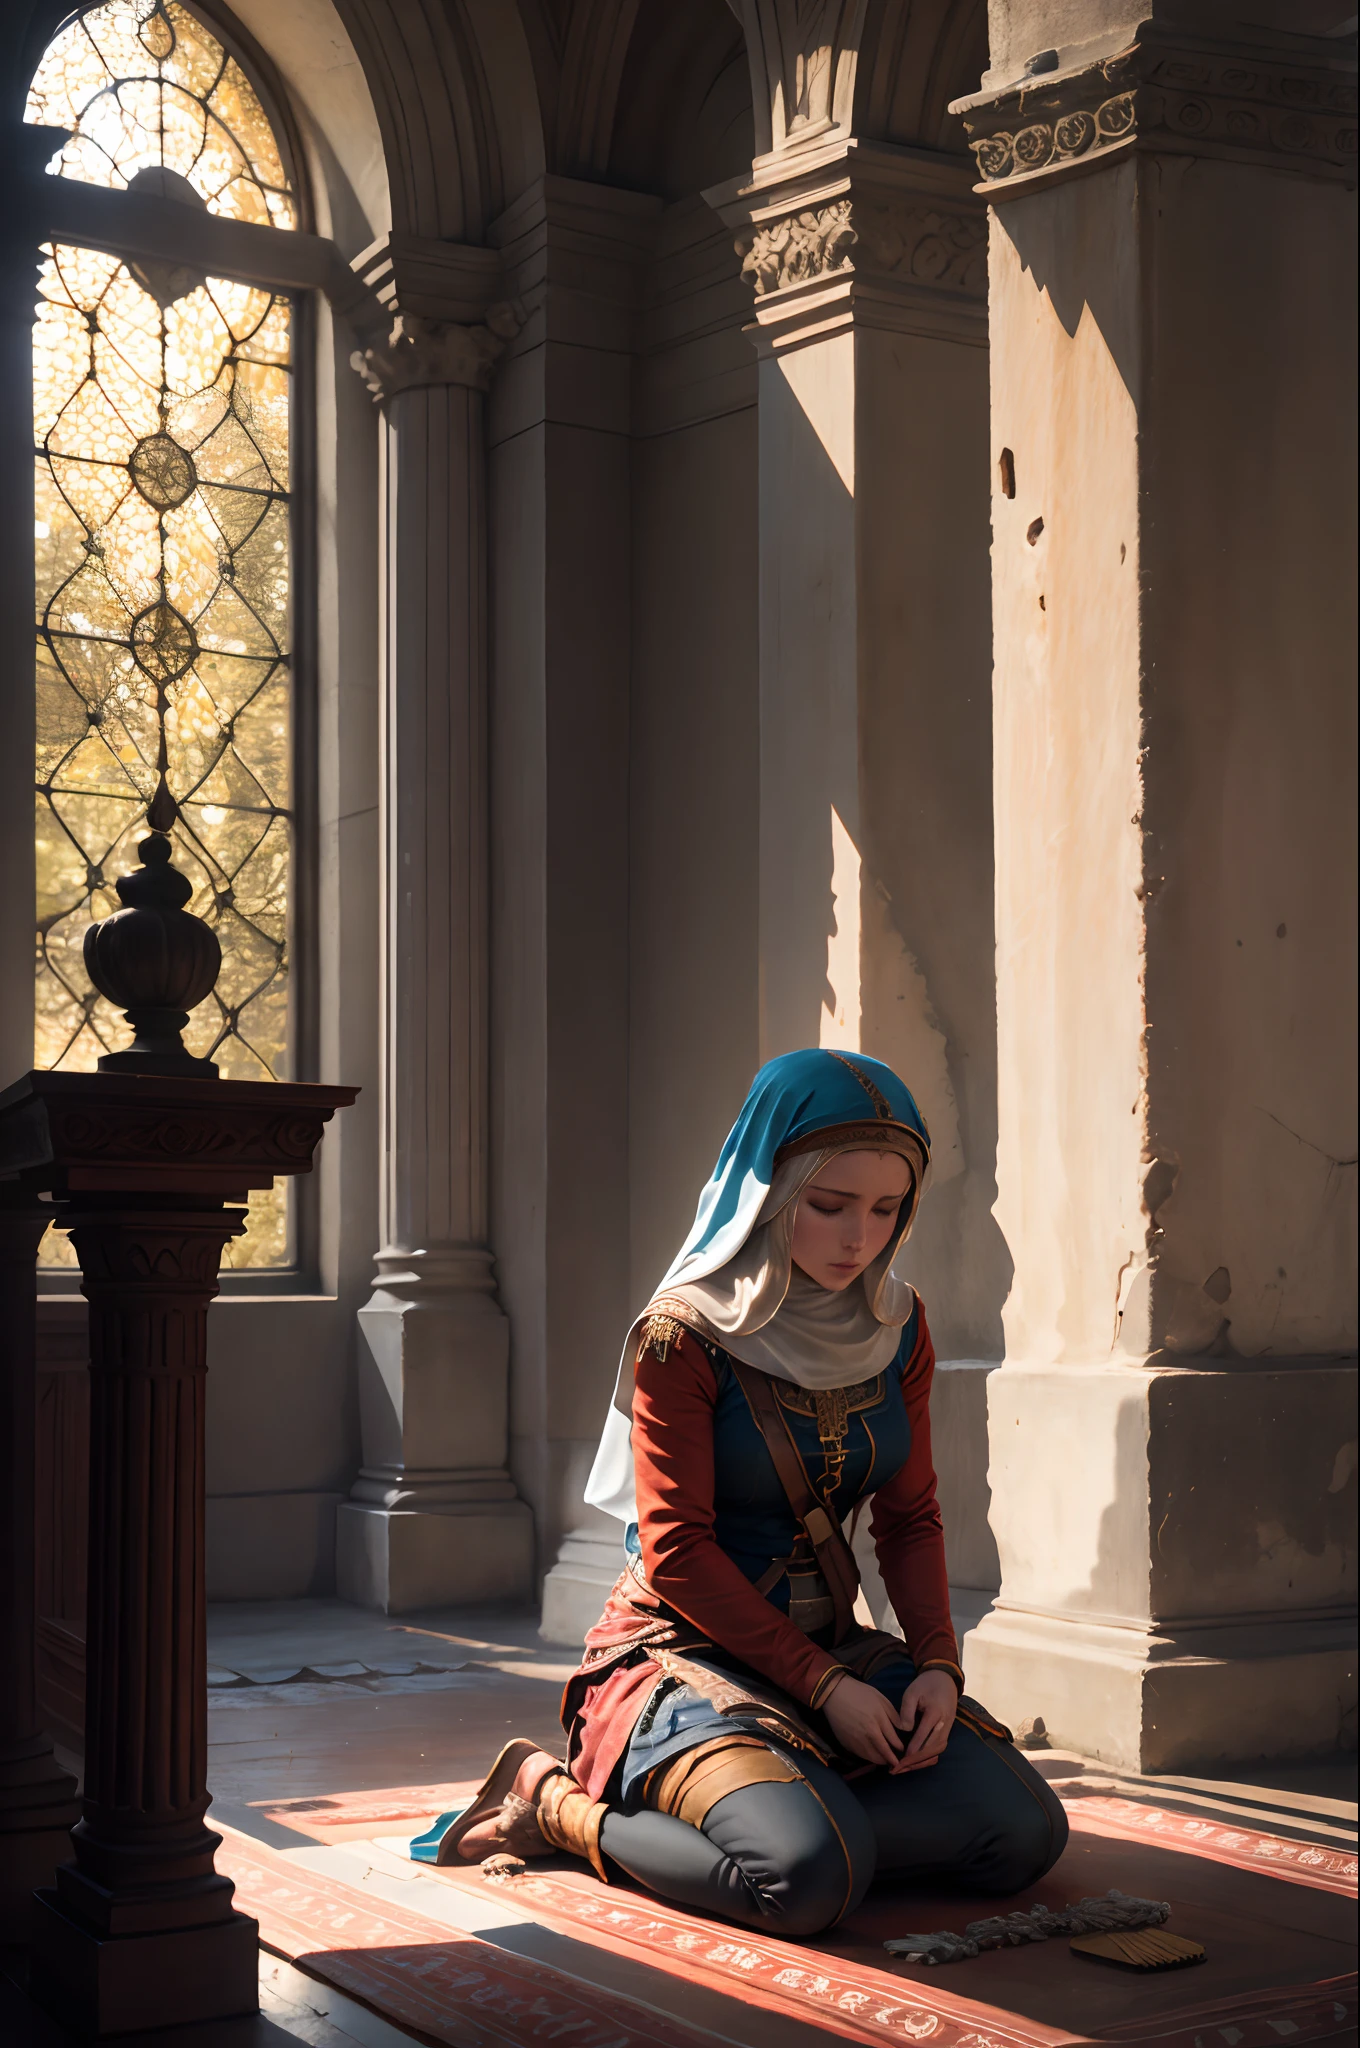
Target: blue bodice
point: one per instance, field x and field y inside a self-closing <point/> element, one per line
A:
<point x="851" y="1442"/>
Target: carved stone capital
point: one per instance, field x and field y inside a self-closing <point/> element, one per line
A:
<point x="1292" y="109"/>
<point x="889" y="238"/>
<point x="916" y="244"/>
<point x="799" y="247"/>
<point x="419" y="352"/>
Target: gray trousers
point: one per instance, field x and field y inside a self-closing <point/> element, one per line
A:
<point x="792" y="1859"/>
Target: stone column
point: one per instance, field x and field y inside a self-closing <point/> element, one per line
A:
<point x="433" y="1516"/>
<point x="1172" y="1433"/>
<point x="150" y="1175"/>
<point x="869" y="279"/>
<point x="560" y="529"/>
<point x="38" y="1806"/>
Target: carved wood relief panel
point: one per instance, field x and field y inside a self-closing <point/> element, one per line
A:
<point x="62" y="1494"/>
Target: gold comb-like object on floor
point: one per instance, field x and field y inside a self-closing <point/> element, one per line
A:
<point x="1147" y="1948"/>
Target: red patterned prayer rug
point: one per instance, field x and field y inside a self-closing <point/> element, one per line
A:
<point x="1127" y="1820"/>
<point x="1222" y="1878"/>
<point x="846" y="1996"/>
<point x="466" y="1992"/>
<point x="421" y="1973"/>
<point x="1258" y="2019"/>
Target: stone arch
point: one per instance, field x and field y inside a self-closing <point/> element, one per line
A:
<point x="333" y="110"/>
<point x="683" y="118"/>
<point x="456" y="103"/>
<point x="915" y="57"/>
<point x="617" y="79"/>
<point x="879" y="69"/>
<point x="593" y="58"/>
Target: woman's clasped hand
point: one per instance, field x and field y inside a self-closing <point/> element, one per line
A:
<point x="864" y="1722"/>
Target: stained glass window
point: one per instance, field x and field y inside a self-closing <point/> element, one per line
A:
<point x="162" y="423"/>
<point x="146" y="91"/>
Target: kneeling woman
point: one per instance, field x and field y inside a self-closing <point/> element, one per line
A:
<point x="737" y="1740"/>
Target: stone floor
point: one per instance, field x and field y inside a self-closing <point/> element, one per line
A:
<point x="309" y="1698"/>
<point x="337" y="1734"/>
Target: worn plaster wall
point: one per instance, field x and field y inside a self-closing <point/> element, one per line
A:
<point x="1241" y="727"/>
<point x="1251" y="744"/>
<point x="1065" y="355"/>
<point x="927" y="983"/>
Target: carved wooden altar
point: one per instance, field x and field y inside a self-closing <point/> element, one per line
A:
<point x="150" y="1174"/>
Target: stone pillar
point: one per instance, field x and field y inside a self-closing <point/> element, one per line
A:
<point x="1172" y="1433"/>
<point x="869" y="279"/>
<point x="38" y="1806"/>
<point x="149" y="1176"/>
<point x="433" y="1516"/>
<point x="561" y="412"/>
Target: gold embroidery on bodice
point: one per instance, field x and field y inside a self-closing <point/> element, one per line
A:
<point x="832" y="1407"/>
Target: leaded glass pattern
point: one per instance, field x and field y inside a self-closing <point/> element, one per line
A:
<point x="162" y="426"/>
<point x="146" y="91"/>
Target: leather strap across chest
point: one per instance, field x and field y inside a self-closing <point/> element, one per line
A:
<point x="834" y="1555"/>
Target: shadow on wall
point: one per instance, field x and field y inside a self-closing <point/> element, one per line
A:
<point x="877" y="921"/>
<point x="1068" y="251"/>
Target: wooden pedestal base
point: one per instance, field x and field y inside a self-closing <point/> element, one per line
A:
<point x="35" y="1836"/>
<point x="120" y="1983"/>
<point x="38" y="1805"/>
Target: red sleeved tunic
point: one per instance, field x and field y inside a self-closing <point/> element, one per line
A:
<point x="673" y="1452"/>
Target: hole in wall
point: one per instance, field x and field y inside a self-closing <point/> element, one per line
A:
<point x="1033" y="530"/>
<point x="1005" y="469"/>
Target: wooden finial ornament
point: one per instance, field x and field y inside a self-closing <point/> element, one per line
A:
<point x="155" y="960"/>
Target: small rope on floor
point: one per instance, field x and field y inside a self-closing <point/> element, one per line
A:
<point x="1112" y="1914"/>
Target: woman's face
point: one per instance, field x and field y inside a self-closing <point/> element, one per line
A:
<point x="846" y="1215"/>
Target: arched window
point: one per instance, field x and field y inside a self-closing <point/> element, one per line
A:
<point x="164" y="363"/>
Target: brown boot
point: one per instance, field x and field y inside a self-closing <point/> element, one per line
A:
<point x="528" y="1806"/>
<point x="503" y="1803"/>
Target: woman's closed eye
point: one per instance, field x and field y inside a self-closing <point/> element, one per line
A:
<point x="838" y="1231"/>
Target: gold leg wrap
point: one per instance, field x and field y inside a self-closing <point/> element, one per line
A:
<point x="570" y="1819"/>
<point x="692" y="1784"/>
